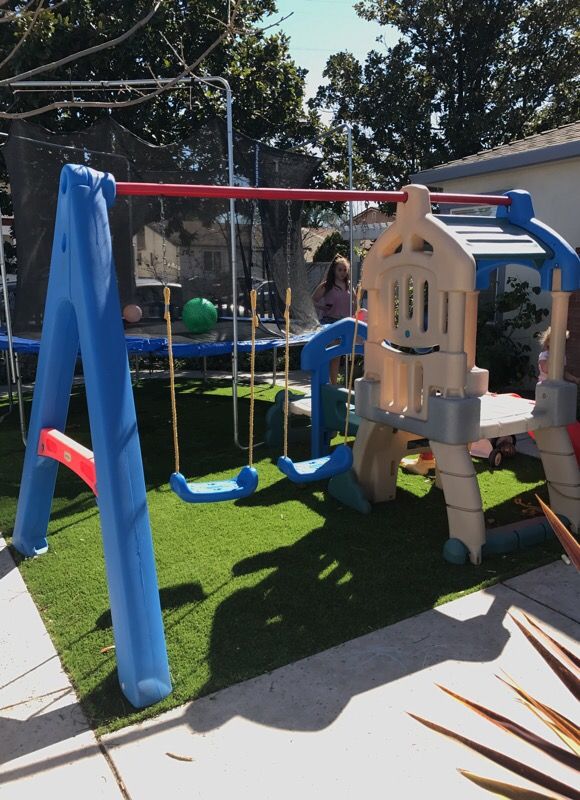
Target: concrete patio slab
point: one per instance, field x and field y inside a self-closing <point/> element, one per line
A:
<point x="47" y="748"/>
<point x="335" y="724"/>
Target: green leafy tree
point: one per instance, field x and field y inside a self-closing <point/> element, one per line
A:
<point x="463" y="76"/>
<point x="499" y="348"/>
<point x="333" y="245"/>
<point x="155" y="39"/>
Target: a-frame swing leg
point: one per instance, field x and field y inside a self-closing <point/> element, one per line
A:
<point x="82" y="308"/>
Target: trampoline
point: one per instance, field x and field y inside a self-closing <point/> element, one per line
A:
<point x="217" y="342"/>
<point x="192" y="243"/>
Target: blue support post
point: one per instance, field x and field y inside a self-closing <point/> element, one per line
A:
<point x="82" y="308"/>
<point x="331" y="342"/>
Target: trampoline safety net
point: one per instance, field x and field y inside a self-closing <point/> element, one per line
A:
<point x="183" y="242"/>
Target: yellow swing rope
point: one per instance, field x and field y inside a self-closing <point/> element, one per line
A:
<point x="255" y="322"/>
<point x="167" y="316"/>
<point x="351" y="371"/>
<point x="286" y="367"/>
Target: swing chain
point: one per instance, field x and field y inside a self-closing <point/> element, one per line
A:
<point x="167" y="315"/>
<point x="352" y="357"/>
<point x="163" y="241"/>
<point x="288" y="303"/>
<point x="255" y="323"/>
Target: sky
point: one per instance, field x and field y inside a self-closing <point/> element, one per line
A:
<point x="319" y="28"/>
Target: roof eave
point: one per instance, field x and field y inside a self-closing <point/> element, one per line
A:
<point x="525" y="158"/>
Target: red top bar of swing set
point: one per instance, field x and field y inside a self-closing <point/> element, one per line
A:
<point x="269" y="193"/>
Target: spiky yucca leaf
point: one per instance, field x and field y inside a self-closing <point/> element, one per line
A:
<point x="556" y="646"/>
<point x="505" y="790"/>
<point x="508" y="725"/>
<point x="564" y="669"/>
<point x="567" y="541"/>
<point x="523" y="770"/>
<point x="563" y="727"/>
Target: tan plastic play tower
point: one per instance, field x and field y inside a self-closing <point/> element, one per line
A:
<point x="420" y="378"/>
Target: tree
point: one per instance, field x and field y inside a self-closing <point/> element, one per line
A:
<point x="464" y="76"/>
<point x="333" y="245"/>
<point x="500" y="348"/>
<point x="91" y="40"/>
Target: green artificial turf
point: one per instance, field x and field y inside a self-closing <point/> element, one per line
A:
<point x="250" y="586"/>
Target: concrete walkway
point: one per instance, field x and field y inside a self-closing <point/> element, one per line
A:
<point x="334" y="724"/>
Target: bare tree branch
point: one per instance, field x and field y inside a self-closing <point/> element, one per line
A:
<point x="187" y="71"/>
<point x="11" y="16"/>
<point x="24" y="36"/>
<point x="83" y="53"/>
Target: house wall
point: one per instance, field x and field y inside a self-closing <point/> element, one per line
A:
<point x="148" y="246"/>
<point x="555" y="190"/>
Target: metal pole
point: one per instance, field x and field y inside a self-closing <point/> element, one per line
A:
<point x="353" y="278"/>
<point x="274" y="365"/>
<point x="350" y="206"/>
<point x="13" y="371"/>
<point x="232" y="213"/>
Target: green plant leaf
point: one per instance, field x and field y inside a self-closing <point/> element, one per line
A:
<point x="508" y="725"/>
<point x="519" y="768"/>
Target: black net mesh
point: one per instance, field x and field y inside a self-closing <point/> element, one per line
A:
<point x="183" y="242"/>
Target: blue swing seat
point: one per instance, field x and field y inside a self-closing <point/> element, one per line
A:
<point x="317" y="469"/>
<point x="215" y="491"/>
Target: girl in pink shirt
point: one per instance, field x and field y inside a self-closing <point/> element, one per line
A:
<point x="332" y="299"/>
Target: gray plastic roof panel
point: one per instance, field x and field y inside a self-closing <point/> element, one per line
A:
<point x="493" y="238"/>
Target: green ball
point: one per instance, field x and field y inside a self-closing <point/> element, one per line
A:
<point x="199" y="315"/>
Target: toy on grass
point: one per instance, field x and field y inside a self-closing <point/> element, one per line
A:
<point x="495" y="450"/>
<point x="199" y="315"/>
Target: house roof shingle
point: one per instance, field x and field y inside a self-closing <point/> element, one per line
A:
<point x="552" y="145"/>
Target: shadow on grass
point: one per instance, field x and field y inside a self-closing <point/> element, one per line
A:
<point x="350" y="576"/>
<point x="343" y="580"/>
<point x="171" y="597"/>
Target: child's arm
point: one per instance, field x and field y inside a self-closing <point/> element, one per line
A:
<point x="319" y="292"/>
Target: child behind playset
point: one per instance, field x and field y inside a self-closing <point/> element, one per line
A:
<point x="544" y="357"/>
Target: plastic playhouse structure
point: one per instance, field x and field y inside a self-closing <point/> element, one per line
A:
<point x="422" y="277"/>
<point x="326" y="403"/>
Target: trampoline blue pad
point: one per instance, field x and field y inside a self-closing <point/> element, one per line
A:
<point x="184" y="348"/>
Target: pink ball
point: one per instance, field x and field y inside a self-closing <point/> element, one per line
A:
<point x="132" y="313"/>
<point x="362" y="315"/>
